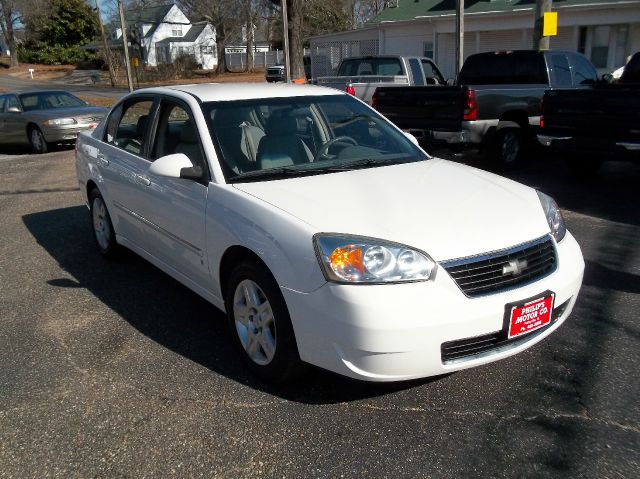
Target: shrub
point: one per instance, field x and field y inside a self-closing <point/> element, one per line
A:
<point x="37" y="52"/>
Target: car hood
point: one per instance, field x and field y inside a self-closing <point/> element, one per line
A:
<point x="443" y="208"/>
<point x="80" y="111"/>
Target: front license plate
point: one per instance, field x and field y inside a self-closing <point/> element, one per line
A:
<point x="532" y="315"/>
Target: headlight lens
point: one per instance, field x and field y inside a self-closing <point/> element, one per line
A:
<point x="60" y="122"/>
<point x="554" y="216"/>
<point x="357" y="259"/>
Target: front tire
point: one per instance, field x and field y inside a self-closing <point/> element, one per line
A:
<point x="260" y="324"/>
<point x="36" y="140"/>
<point x="103" y="232"/>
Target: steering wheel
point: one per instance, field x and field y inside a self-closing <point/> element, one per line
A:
<point x="321" y="155"/>
<point x="128" y="143"/>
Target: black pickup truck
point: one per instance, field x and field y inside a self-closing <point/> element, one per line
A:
<point x="495" y="106"/>
<point x="592" y="126"/>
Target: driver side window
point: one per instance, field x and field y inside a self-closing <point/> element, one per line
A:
<point x="128" y="131"/>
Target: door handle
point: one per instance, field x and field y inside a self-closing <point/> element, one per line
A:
<point x="102" y="160"/>
<point x="143" y="180"/>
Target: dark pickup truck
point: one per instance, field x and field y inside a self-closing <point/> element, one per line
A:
<point x="592" y="126"/>
<point x="495" y="105"/>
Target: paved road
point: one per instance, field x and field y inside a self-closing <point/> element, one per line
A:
<point x="115" y="370"/>
<point x="8" y="83"/>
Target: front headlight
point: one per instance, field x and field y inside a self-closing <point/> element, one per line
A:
<point x="357" y="259"/>
<point x="60" y="122"/>
<point x="554" y="216"/>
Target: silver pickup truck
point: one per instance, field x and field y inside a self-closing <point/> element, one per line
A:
<point x="360" y="76"/>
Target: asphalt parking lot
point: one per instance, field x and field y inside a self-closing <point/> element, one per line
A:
<point x="113" y="369"/>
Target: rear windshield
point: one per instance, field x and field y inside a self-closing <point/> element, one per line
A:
<point x="504" y="68"/>
<point x="370" y="66"/>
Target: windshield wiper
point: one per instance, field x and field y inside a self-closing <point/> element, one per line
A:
<point x="352" y="119"/>
<point x="272" y="173"/>
<point x="365" y="163"/>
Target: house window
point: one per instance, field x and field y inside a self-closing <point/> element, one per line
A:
<point x="206" y="50"/>
<point x="427" y="49"/>
<point x="622" y="36"/>
<point x="162" y="54"/>
<point x="176" y="30"/>
<point x="600" y="45"/>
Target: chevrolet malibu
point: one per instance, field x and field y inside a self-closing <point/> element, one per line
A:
<point x="325" y="233"/>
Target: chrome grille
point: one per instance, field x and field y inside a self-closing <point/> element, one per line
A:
<point x="468" y="348"/>
<point x="502" y="270"/>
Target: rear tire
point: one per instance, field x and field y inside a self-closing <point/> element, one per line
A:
<point x="260" y="324"/>
<point x="36" y="140"/>
<point x="103" y="232"/>
<point x="507" y="147"/>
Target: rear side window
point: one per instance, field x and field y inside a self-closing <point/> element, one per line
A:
<point x="370" y="66"/>
<point x="561" y="71"/>
<point x="504" y="68"/>
<point x="583" y="71"/>
<point x="416" y="72"/>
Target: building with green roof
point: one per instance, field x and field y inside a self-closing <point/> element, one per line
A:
<point x="606" y="31"/>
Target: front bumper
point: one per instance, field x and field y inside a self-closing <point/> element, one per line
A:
<point x="395" y="332"/>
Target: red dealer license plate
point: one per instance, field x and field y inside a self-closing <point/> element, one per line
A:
<point x="530" y="316"/>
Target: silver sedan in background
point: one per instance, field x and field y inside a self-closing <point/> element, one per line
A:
<point x="41" y="118"/>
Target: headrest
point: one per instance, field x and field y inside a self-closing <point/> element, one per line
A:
<point x="280" y="125"/>
<point x="188" y="133"/>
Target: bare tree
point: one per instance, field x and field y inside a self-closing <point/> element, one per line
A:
<point x="9" y="18"/>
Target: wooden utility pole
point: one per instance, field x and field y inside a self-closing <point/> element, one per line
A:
<point x="540" y="42"/>
<point x="459" y="35"/>
<point x="125" y="44"/>
<point x="105" y="45"/>
<point x="285" y="39"/>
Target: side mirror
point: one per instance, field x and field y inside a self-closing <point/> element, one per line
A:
<point x="607" y="78"/>
<point x="14" y="109"/>
<point x="177" y="165"/>
<point x="412" y="138"/>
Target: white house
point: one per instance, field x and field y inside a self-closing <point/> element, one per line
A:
<point x="606" y="31"/>
<point x="164" y="32"/>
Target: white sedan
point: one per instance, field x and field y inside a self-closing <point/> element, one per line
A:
<point x="326" y="234"/>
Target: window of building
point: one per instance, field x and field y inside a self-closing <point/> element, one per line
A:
<point x="622" y="36"/>
<point x="600" y="45"/>
<point x="427" y="49"/>
<point x="206" y="50"/>
<point x="176" y="30"/>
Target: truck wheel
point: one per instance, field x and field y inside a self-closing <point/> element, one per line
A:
<point x="507" y="147"/>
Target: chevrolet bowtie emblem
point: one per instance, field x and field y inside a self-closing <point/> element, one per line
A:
<point x="514" y="267"/>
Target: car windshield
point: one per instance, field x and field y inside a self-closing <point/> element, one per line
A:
<point x="273" y="138"/>
<point x="49" y="100"/>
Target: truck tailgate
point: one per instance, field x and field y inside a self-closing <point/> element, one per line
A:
<point x="434" y="108"/>
<point x="604" y="113"/>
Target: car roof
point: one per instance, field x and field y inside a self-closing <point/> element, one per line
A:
<point x="249" y="91"/>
